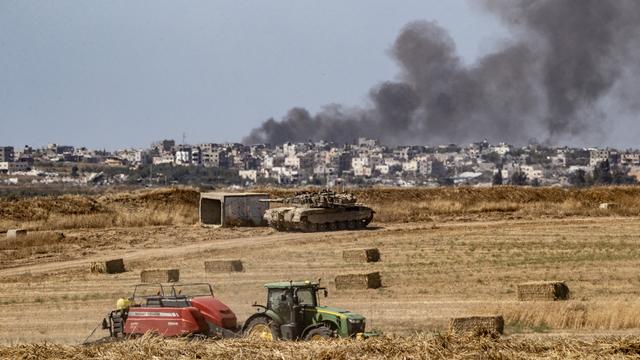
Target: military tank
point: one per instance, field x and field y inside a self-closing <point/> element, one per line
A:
<point x="318" y="211"/>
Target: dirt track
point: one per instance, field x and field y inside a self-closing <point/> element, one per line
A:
<point x="150" y="254"/>
<point x="250" y="238"/>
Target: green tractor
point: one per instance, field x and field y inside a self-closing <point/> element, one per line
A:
<point x="293" y="313"/>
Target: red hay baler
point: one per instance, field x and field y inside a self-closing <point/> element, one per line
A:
<point x="171" y="310"/>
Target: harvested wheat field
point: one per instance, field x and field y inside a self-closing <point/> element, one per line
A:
<point x="412" y="347"/>
<point x="446" y="254"/>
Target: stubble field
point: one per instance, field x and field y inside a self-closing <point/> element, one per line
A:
<point x="444" y="254"/>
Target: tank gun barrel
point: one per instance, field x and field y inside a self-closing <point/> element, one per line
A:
<point x="271" y="200"/>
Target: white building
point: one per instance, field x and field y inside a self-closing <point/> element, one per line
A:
<point x="597" y="156"/>
<point x="292" y="161"/>
<point x="559" y="160"/>
<point x="410" y="166"/>
<point x="249" y="175"/>
<point x="184" y="156"/>
<point x="630" y="158"/>
<point x="363" y="171"/>
<point x="532" y="171"/>
<point x="324" y="170"/>
<point x="271" y="161"/>
<point x="303" y="161"/>
<point x="444" y="158"/>
<point x="284" y="175"/>
<point x="360" y="162"/>
<point x="166" y="158"/>
<point x="382" y="169"/>
<point x="501" y="149"/>
<point x="424" y="165"/>
<point x="289" y="149"/>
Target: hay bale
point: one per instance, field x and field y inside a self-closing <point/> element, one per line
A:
<point x="477" y="324"/>
<point x="608" y="206"/>
<point x="114" y="266"/>
<point x="13" y="234"/>
<point x="218" y="266"/>
<point x="97" y="268"/>
<point x="359" y="281"/>
<point x="361" y="255"/>
<point x="160" y="275"/>
<point x="543" y="290"/>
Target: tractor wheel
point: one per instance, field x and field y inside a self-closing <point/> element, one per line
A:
<point x="319" y="333"/>
<point x="260" y="328"/>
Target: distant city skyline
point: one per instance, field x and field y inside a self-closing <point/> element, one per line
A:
<point x="364" y="161"/>
<point x="120" y="74"/>
<point x="178" y="143"/>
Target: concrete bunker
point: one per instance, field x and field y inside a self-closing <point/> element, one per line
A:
<point x="232" y="209"/>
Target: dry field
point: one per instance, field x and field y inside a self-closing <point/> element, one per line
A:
<point x="163" y="207"/>
<point x="412" y="347"/>
<point x="444" y="253"/>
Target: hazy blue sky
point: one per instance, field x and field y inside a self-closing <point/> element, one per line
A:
<point x="110" y="74"/>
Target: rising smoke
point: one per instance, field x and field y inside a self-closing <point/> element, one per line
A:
<point x="568" y="73"/>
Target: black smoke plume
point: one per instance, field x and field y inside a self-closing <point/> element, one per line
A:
<point x="568" y="73"/>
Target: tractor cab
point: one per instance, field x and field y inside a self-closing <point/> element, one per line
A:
<point x="171" y="310"/>
<point x="293" y="312"/>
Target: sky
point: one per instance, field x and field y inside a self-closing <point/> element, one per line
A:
<point x="116" y="74"/>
